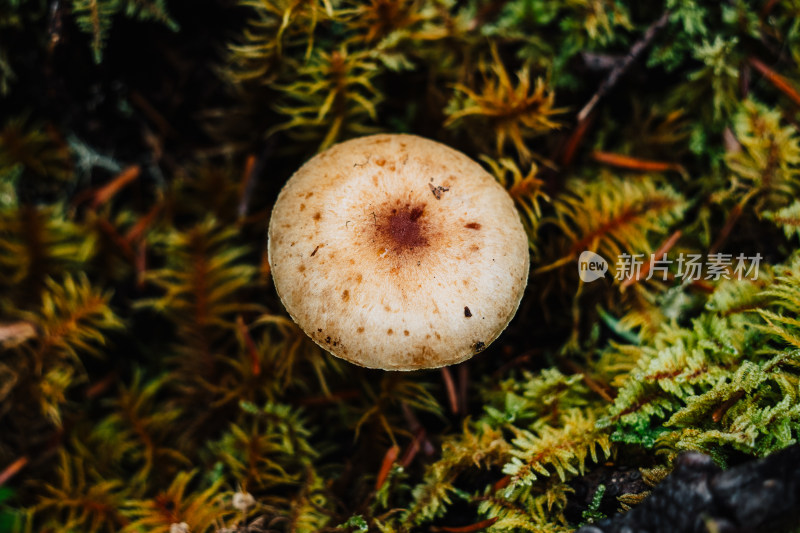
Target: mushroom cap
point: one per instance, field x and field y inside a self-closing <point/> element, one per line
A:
<point x="397" y="252"/>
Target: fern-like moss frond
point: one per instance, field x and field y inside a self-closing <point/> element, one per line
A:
<point x="74" y="316"/>
<point x="398" y="31"/>
<point x="478" y="447"/>
<point x="599" y="19"/>
<point x="534" y="510"/>
<point x="535" y="398"/>
<point x="732" y="378"/>
<point x="84" y="501"/>
<point x="787" y="218"/>
<point x="155" y="10"/>
<point x="96" y="17"/>
<point x="378" y="18"/>
<point x="37" y="243"/>
<point x="757" y="408"/>
<point x="719" y="76"/>
<point x="768" y="163"/>
<point x="531" y="424"/>
<point x="393" y="391"/>
<point x="511" y="111"/>
<point x="526" y="189"/>
<point x="332" y="96"/>
<point x="202" y="283"/>
<point x="35" y="150"/>
<point x="563" y="448"/>
<point x="137" y="428"/>
<point x="271" y="452"/>
<point x="738" y="296"/>
<point x="310" y="508"/>
<point x="275" y="26"/>
<point x="613" y="216"/>
<point x="200" y="508"/>
<point x="38" y="374"/>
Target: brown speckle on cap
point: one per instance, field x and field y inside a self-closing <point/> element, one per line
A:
<point x="467" y="312"/>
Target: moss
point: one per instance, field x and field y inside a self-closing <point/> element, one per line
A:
<point x="149" y="377"/>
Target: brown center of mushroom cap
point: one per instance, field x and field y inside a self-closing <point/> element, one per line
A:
<point x="405" y="228"/>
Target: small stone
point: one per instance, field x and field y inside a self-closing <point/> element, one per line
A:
<point x="183" y="527"/>
<point x="242" y="501"/>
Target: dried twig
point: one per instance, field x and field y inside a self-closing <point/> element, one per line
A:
<point x="463" y="386"/>
<point x="413" y="448"/>
<point x="780" y="83"/>
<point x="152" y="114"/>
<point x="624" y="64"/>
<point x="634" y="163"/>
<point x="252" y="350"/>
<point x="142" y="224"/>
<point x="386" y="466"/>
<point x="483" y="524"/>
<point x="575" y="138"/>
<point x="720" y="411"/>
<point x="99" y="387"/>
<point x="108" y="191"/>
<point x="665" y="247"/>
<point x="246" y="188"/>
<point x="13" y="469"/>
<point x="601" y="389"/>
<point x="451" y="389"/>
<point x="733" y="217"/>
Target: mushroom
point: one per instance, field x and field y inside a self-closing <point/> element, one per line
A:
<point x="397" y="252"/>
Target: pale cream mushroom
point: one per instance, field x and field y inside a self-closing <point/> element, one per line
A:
<point x="397" y="252"/>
